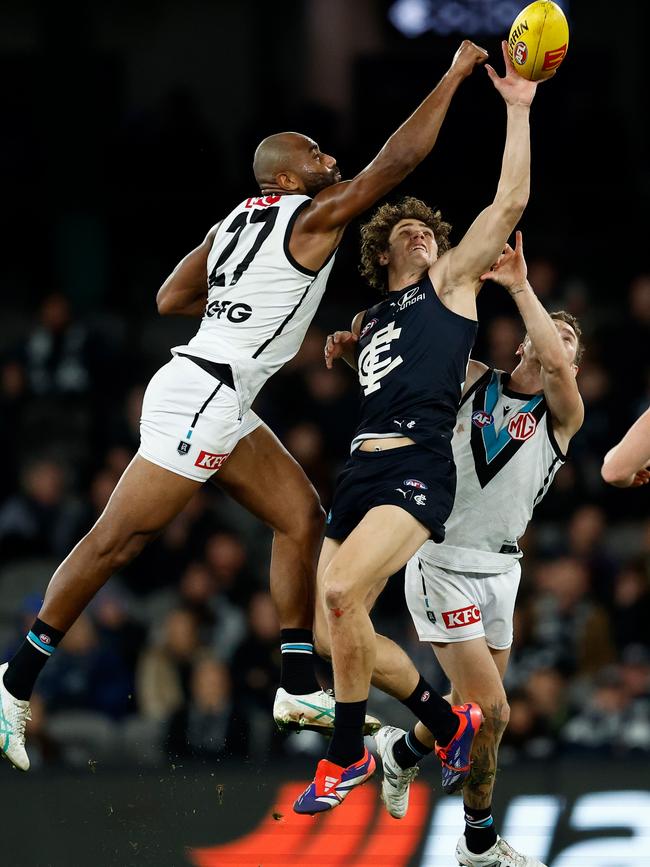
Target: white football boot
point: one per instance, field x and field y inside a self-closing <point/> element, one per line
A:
<point x="313" y="711"/>
<point x="396" y="781"/>
<point x="499" y="855"/>
<point x="13" y="719"/>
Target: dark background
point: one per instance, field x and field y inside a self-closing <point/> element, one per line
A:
<point x="127" y="130"/>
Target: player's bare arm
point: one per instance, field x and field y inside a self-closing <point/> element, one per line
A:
<point x="185" y="291"/>
<point x="342" y="344"/>
<point x="319" y="228"/>
<point x="627" y="465"/>
<point x="456" y="275"/>
<point x="555" y="342"/>
<point x="475" y="370"/>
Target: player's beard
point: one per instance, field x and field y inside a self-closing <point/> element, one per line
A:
<point x="317" y="181"/>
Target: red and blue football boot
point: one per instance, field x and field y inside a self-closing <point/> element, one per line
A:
<point x="456" y="756"/>
<point x="332" y="783"/>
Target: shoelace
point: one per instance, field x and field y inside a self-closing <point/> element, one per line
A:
<point x="517" y="859"/>
<point x="406" y="777"/>
<point x="23" y="717"/>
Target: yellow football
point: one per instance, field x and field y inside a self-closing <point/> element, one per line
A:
<point x="538" y="41"/>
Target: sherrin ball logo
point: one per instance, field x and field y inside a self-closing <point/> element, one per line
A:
<point x="539" y="39"/>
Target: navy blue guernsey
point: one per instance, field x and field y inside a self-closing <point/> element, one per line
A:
<point x="412" y="360"/>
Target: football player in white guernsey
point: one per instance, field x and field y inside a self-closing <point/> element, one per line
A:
<point x="396" y="490"/>
<point x="511" y="436"/>
<point x="627" y="465"/>
<point x="256" y="280"/>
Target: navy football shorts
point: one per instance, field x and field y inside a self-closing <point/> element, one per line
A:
<point x="418" y="480"/>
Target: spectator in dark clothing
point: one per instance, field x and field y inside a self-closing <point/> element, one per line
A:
<point x="207" y="727"/>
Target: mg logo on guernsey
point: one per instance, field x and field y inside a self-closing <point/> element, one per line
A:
<point x="375" y="361"/>
<point x="461" y="617"/>
<point x="208" y="461"/>
<point x="522" y="426"/>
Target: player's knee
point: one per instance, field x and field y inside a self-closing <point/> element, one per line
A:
<point x="117" y="547"/>
<point x="308" y="519"/>
<point x="338" y="592"/>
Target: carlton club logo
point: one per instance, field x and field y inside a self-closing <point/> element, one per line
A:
<point x="522" y="426"/>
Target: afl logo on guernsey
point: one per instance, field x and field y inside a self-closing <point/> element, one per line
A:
<point x="481" y="419"/>
<point x="367" y="327"/>
<point x="416" y="483"/>
<point x="522" y="426"/>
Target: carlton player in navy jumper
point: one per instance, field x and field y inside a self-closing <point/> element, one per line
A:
<point x="397" y="488"/>
<point x="256" y="280"/>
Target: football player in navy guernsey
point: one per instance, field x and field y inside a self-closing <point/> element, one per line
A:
<point x="256" y="280"/>
<point x="510" y="438"/>
<point x="397" y="488"/>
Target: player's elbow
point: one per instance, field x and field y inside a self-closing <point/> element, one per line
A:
<point x="615" y="475"/>
<point x="164" y="302"/>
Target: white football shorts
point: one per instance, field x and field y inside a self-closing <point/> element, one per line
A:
<point x="191" y="421"/>
<point x="451" y="606"/>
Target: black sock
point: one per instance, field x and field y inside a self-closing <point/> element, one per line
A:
<point x="323" y="671"/>
<point x="480" y="833"/>
<point x="346" y="746"/>
<point x="409" y="750"/>
<point x="27" y="664"/>
<point x="432" y="710"/>
<point x="297" y="673"/>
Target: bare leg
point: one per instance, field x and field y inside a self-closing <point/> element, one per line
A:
<point x="394" y="673"/>
<point x="476" y="673"/>
<point x="377" y="547"/>
<point x="146" y="499"/>
<point x="261" y="475"/>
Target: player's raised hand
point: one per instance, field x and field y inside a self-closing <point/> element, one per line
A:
<point x="467" y="57"/>
<point x="514" y="88"/>
<point x="337" y="344"/>
<point x="510" y="269"/>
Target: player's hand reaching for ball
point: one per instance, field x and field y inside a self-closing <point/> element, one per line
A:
<point x="510" y="269"/>
<point x="514" y="88"/>
<point x="339" y="345"/>
<point x="467" y="57"/>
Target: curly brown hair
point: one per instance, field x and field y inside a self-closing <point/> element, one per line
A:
<point x="569" y="318"/>
<point x="375" y="234"/>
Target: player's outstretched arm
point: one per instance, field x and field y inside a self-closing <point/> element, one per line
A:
<point x="334" y="207"/>
<point x="488" y="234"/>
<point x="558" y="370"/>
<point x="626" y="465"/>
<point x="185" y="291"/>
<point x="342" y="344"/>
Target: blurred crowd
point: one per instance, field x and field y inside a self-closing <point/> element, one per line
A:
<point x="178" y="656"/>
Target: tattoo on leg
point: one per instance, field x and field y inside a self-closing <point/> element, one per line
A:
<point x="480" y="783"/>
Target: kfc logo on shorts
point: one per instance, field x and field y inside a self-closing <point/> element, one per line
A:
<point x="522" y="426"/>
<point x="208" y="461"/>
<point x="481" y="419"/>
<point x="461" y="617"/>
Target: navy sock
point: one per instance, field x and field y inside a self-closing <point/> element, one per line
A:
<point x="409" y="750"/>
<point x="323" y="671"/>
<point x="346" y="746"/>
<point x="297" y="672"/>
<point x="480" y="833"/>
<point x="30" y="659"/>
<point x="434" y="711"/>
